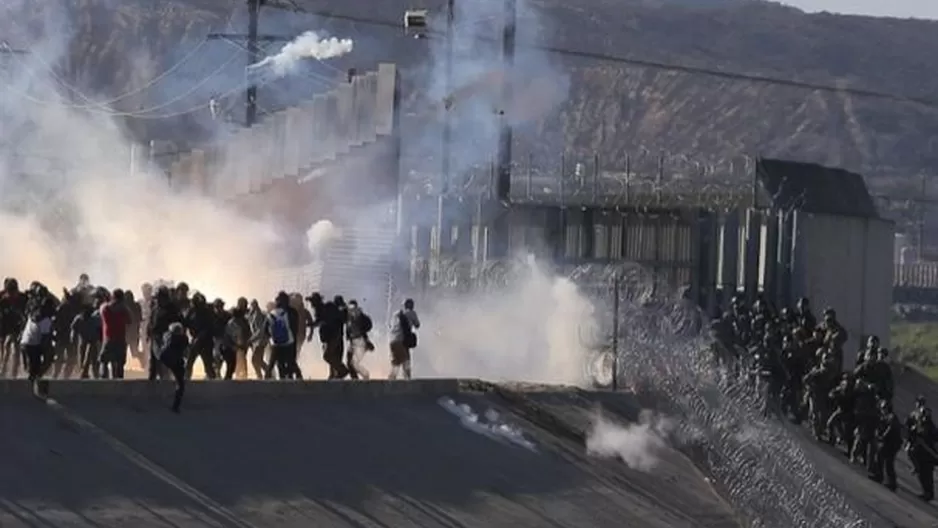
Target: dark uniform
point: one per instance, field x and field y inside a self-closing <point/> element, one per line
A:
<point x="841" y="423"/>
<point x="200" y="321"/>
<point x="867" y="418"/>
<point x="818" y="383"/>
<point x="172" y="354"/>
<point x="163" y="313"/>
<point x="804" y="317"/>
<point x="875" y="371"/>
<point x="795" y="362"/>
<point x="889" y="442"/>
<point x="922" y="438"/>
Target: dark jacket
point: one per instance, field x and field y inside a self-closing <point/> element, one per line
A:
<point x="200" y="321"/>
<point x="358" y="325"/>
<point x="330" y="319"/>
<point x="161" y="316"/>
<point x="173" y="349"/>
<point x="86" y="327"/>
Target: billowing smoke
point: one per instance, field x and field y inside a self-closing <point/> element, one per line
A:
<point x="471" y="95"/>
<point x="638" y="445"/>
<point x="527" y="329"/>
<point x="319" y="235"/>
<point x="309" y="45"/>
<point x="70" y="202"/>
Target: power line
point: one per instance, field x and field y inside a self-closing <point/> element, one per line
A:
<point x="253" y="51"/>
<point x="101" y="107"/>
<point x="605" y="57"/>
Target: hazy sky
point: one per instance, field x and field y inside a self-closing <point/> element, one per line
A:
<point x="896" y="8"/>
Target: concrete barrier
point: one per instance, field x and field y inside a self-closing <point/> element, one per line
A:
<point x="211" y="392"/>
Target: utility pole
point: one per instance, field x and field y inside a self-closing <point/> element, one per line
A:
<point x="254" y="11"/>
<point x="503" y="183"/>
<point x="446" y="153"/>
<point x="616" y="286"/>
<point x="921" y="220"/>
<point x="446" y="162"/>
<point x="252" y="41"/>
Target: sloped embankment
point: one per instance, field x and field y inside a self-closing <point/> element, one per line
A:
<point x="321" y="454"/>
<point x="363" y="454"/>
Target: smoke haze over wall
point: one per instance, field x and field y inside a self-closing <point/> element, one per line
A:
<point x="474" y="99"/>
<point x="69" y="203"/>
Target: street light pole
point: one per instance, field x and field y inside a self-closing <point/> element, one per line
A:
<point x="252" y="40"/>
<point x="447" y="126"/>
<point x="503" y="185"/>
<point x="250" y="110"/>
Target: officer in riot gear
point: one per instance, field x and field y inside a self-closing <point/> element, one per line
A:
<point x="922" y="438"/>
<point x="818" y="383"/>
<point x="841" y="423"/>
<point x="868" y="351"/>
<point x="866" y="413"/>
<point x="889" y="443"/>
<point x="803" y="315"/>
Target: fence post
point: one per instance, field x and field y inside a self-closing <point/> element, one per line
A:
<point x="617" y="281"/>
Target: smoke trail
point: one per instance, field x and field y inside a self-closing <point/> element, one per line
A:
<point x="309" y="45"/>
<point x="638" y="445"/>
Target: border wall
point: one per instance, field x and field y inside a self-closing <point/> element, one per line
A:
<point x="287" y="147"/>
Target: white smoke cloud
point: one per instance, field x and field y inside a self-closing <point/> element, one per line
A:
<point x="309" y="45"/>
<point x="70" y="202"/>
<point x="638" y="445"/>
<point x="528" y="330"/>
<point x="319" y="235"/>
<point x="490" y="424"/>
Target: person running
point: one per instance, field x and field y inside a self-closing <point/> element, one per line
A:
<point x="403" y="339"/>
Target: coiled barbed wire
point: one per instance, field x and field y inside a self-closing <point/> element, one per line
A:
<point x="663" y="355"/>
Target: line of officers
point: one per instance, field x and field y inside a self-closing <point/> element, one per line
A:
<point x="797" y="363"/>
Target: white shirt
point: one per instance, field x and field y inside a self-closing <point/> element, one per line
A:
<point x="397" y="332"/>
<point x="35" y="331"/>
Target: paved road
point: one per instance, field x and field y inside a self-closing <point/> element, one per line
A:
<point x="301" y="459"/>
<point x="401" y="461"/>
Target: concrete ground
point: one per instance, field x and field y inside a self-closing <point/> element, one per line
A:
<point x="111" y="454"/>
<point x="375" y="454"/>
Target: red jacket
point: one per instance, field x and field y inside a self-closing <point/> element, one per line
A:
<point x="114" y="320"/>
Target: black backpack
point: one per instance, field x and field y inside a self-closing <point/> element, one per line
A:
<point x="410" y="338"/>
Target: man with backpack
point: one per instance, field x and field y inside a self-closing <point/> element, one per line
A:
<point x="356" y="330"/>
<point x="330" y="319"/>
<point x="403" y="339"/>
<point x="281" y="327"/>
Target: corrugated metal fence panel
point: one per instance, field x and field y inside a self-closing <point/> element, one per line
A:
<point x="384" y="105"/>
<point x="916" y="275"/>
<point x="878" y="286"/>
<point x="833" y="252"/>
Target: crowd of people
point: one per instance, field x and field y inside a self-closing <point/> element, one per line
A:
<point x="797" y="362"/>
<point x="92" y="332"/>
